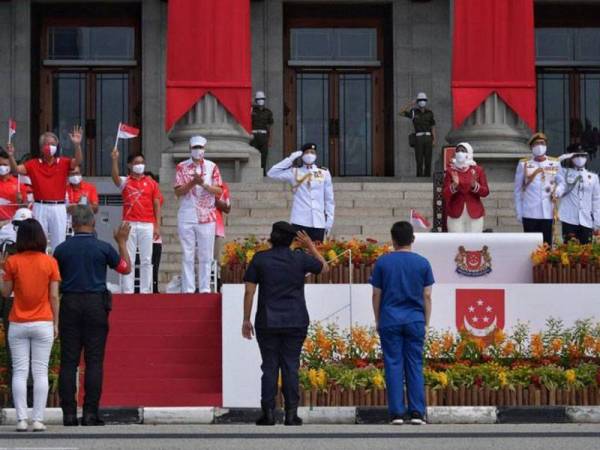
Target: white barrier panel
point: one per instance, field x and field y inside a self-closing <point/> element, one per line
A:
<point x="483" y="258"/>
<point x="509" y="303"/>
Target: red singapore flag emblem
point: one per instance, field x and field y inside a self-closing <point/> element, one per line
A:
<point x="479" y="311"/>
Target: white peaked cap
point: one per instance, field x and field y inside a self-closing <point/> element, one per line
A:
<point x="421" y="96"/>
<point x="259" y="95"/>
<point x="196" y="141"/>
<point x="22" y="214"/>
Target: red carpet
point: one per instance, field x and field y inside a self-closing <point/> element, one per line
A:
<point x="164" y="350"/>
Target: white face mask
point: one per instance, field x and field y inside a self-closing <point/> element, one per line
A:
<point x="422" y="103"/>
<point x="197" y="153"/>
<point x="4" y="170"/>
<point x="579" y="161"/>
<point x="138" y="168"/>
<point x="309" y="158"/>
<point x="539" y="150"/>
<point x="75" y="179"/>
<point x="460" y="157"/>
<point x="260" y="101"/>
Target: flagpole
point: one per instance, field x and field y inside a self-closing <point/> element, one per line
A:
<point x="117" y="139"/>
<point x="9" y="133"/>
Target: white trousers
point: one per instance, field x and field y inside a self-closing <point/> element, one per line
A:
<point x="465" y="224"/>
<point x="53" y="219"/>
<point x="8" y="233"/>
<point x="140" y="238"/>
<point x="30" y="341"/>
<point x="197" y="240"/>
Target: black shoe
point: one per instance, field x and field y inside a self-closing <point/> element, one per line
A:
<point x="291" y="417"/>
<point x="267" y="418"/>
<point x="91" y="421"/>
<point x="70" y="420"/>
<point x="417" y="419"/>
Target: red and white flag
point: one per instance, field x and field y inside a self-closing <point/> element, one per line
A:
<point x="419" y="221"/>
<point x="127" y="131"/>
<point x="12" y="128"/>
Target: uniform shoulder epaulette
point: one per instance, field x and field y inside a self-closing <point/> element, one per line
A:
<point x="523" y="160"/>
<point x="324" y="168"/>
<point x="553" y="158"/>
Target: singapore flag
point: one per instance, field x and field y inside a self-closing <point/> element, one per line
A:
<point x="127" y="131"/>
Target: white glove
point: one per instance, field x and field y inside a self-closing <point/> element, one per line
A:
<point x="561" y="158"/>
<point x="296" y="154"/>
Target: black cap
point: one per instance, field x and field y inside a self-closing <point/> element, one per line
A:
<point x="309" y="146"/>
<point x="284" y="227"/>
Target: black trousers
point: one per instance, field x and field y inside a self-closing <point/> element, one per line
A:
<point x="156" y="254"/>
<point x="260" y="142"/>
<point x="543" y="226"/>
<point x="280" y="350"/>
<point x="583" y="234"/>
<point x="83" y="327"/>
<point x="423" y="151"/>
<point x="316" y="234"/>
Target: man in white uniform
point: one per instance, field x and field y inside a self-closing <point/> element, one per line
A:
<point x="197" y="183"/>
<point x="313" y="205"/>
<point x="535" y="186"/>
<point x="579" y="193"/>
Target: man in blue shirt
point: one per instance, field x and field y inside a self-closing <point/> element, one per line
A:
<point x="84" y="308"/>
<point x="402" y="283"/>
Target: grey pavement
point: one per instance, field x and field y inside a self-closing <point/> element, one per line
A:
<point x="313" y="437"/>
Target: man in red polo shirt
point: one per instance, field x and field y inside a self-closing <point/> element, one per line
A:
<point x="141" y="208"/>
<point x="79" y="192"/>
<point x="12" y="195"/>
<point x="48" y="172"/>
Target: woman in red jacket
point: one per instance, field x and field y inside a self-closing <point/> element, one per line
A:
<point x="464" y="186"/>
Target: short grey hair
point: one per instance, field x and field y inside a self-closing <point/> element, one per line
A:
<point x="47" y="134"/>
<point x="82" y="216"/>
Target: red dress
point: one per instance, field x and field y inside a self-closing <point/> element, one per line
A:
<point x="465" y="193"/>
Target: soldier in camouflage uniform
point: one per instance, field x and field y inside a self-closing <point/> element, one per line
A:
<point x="262" y="120"/>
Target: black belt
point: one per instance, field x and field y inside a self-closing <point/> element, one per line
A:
<point x="50" y="202"/>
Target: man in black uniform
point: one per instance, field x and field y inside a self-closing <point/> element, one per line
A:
<point x="281" y="316"/>
<point x="424" y="125"/>
<point x="84" y="308"/>
<point x="262" y="120"/>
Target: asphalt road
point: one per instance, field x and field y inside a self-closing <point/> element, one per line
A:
<point x="313" y="437"/>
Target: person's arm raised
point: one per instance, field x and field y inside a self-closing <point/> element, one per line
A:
<point x="16" y="168"/>
<point x="307" y="242"/>
<point x="115" y="167"/>
<point x="76" y="137"/>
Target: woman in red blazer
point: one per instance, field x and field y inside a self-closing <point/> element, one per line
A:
<point x="464" y="186"/>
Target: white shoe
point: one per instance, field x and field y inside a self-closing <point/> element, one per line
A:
<point x="397" y="421"/>
<point x="38" y="426"/>
<point x="22" y="425"/>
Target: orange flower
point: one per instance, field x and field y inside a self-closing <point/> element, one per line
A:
<point x="499" y="337"/>
<point x="447" y="342"/>
<point x="556" y="345"/>
<point x="508" y="349"/>
<point x="460" y="350"/>
<point x="309" y="345"/>
<point x="574" y="351"/>
<point x="434" y="349"/>
<point x="536" y="346"/>
<point x="588" y="343"/>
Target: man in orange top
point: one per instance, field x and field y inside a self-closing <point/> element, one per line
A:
<point x="12" y="195"/>
<point x="79" y="192"/>
<point x="48" y="172"/>
<point x="141" y="209"/>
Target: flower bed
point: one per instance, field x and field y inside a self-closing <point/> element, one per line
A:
<point x="238" y="254"/>
<point x="571" y="262"/>
<point x="558" y="366"/>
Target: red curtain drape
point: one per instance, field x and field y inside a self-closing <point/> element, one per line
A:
<point x="208" y="50"/>
<point x="493" y="51"/>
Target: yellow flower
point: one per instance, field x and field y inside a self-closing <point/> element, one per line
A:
<point x="564" y="259"/>
<point x="249" y="255"/>
<point x="571" y="376"/>
<point x="442" y="379"/>
<point x="378" y="380"/>
<point x="502" y="378"/>
<point x="332" y="256"/>
<point x="313" y="378"/>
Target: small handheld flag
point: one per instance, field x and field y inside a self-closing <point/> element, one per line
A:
<point x="12" y="129"/>
<point x="126" y="132"/>
<point x="419" y="221"/>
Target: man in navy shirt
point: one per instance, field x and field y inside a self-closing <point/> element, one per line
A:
<point x="281" y="315"/>
<point x="84" y="308"/>
<point x="402" y="282"/>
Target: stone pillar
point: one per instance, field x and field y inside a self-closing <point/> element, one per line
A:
<point x="227" y="142"/>
<point x="498" y="136"/>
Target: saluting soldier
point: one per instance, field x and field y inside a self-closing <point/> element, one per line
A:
<point x="535" y="188"/>
<point x="424" y="125"/>
<point x="313" y="205"/>
<point x="579" y="191"/>
<point x="262" y="120"/>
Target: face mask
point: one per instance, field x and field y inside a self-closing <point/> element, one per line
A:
<point x="422" y="103"/>
<point x="460" y="157"/>
<point x="579" y="161"/>
<point x="138" y="168"/>
<point x="260" y="101"/>
<point x="309" y="158"/>
<point x="75" y="179"/>
<point x="4" y="170"/>
<point x="197" y="153"/>
<point x="539" y="150"/>
<point x="49" y="150"/>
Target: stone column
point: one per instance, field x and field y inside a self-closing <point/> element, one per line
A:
<point x="498" y="136"/>
<point x="227" y="142"/>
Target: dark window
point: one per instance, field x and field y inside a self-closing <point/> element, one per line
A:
<point x="91" y="43"/>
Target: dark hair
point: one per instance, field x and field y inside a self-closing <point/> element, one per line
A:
<point x="31" y="237"/>
<point x="402" y="234"/>
<point x="153" y="176"/>
<point x="132" y="156"/>
<point x="3" y="153"/>
<point x="281" y="238"/>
